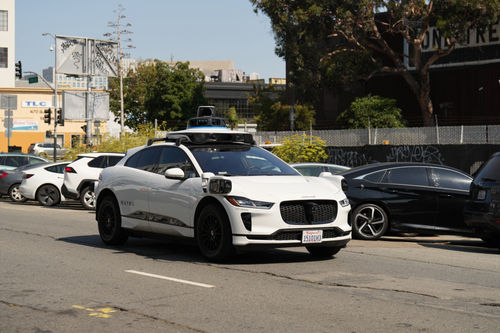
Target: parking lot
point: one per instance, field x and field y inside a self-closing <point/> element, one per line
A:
<point x="58" y="276"/>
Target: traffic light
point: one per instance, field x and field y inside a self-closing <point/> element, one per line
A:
<point x="19" y="70"/>
<point x="47" y="113"/>
<point x="60" y="117"/>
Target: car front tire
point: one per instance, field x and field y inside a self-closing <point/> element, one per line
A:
<point x="87" y="198"/>
<point x="213" y="234"/>
<point x="48" y="195"/>
<point x="369" y="221"/>
<point x="109" y="222"/>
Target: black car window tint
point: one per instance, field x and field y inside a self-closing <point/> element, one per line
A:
<point x="375" y="177"/>
<point x="132" y="160"/>
<point x="112" y="160"/>
<point x="173" y="157"/>
<point x="449" y="179"/>
<point x="97" y="162"/>
<point x="149" y="159"/>
<point x="407" y="176"/>
<point x="53" y="168"/>
<point x="2" y="159"/>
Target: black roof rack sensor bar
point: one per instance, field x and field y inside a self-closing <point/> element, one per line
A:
<point x="177" y="138"/>
<point x="204" y="138"/>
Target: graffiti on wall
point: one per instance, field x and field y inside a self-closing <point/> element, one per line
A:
<point x="424" y="154"/>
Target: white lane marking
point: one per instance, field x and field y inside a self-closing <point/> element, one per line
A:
<point x="171" y="279"/>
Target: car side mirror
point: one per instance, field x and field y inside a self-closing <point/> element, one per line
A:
<point x="175" y="173"/>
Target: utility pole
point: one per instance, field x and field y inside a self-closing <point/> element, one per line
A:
<point x="120" y="29"/>
<point x="56" y="99"/>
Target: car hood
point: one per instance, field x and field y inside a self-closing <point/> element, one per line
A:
<point x="279" y="188"/>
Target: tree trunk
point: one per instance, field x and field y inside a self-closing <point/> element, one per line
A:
<point x="424" y="98"/>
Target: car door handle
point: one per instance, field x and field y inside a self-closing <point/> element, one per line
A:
<point x="446" y="196"/>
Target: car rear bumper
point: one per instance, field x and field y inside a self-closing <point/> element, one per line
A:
<point x="484" y="221"/>
<point x="69" y="195"/>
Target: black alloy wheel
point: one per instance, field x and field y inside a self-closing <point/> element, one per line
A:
<point x="213" y="234"/>
<point x="369" y="221"/>
<point x="48" y="195"/>
<point x="109" y="222"/>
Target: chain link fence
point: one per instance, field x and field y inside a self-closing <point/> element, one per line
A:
<point x="487" y="134"/>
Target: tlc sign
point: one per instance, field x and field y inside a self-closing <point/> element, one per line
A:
<point x="36" y="104"/>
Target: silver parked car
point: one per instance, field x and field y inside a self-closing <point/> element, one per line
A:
<point x="38" y="148"/>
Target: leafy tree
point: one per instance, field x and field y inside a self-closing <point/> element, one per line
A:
<point x="301" y="32"/>
<point x="369" y="25"/>
<point x="161" y="91"/>
<point x="327" y="43"/>
<point x="273" y="115"/>
<point x="301" y="148"/>
<point x="371" y="111"/>
<point x="232" y="117"/>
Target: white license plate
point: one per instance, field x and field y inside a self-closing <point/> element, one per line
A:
<point x="312" y="236"/>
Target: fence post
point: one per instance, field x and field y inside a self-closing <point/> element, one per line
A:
<point x="437" y="129"/>
<point x="461" y="134"/>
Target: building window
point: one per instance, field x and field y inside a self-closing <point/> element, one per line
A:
<point x="4" y="59"/>
<point x="4" y="20"/>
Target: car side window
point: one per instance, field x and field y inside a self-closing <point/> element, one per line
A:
<point x="132" y="161"/>
<point x="173" y="157"/>
<point x="375" y="177"/>
<point x="97" y="162"/>
<point x="149" y="159"/>
<point x="54" y="169"/>
<point x="449" y="179"/>
<point x="407" y="176"/>
<point x="112" y="160"/>
<point x="34" y="160"/>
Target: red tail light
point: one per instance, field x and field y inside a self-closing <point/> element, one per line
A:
<point x="27" y="175"/>
<point x="3" y="174"/>
<point x="69" y="170"/>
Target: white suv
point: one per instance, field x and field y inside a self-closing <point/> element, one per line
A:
<point x="81" y="174"/>
<point x="217" y="187"/>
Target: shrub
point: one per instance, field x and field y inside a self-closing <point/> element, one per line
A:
<point x="301" y="148"/>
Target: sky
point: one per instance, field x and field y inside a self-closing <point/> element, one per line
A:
<point x="162" y="29"/>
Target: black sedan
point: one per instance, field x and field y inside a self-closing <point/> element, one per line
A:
<point x="406" y="197"/>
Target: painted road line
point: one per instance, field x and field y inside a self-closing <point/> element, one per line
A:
<point x="171" y="279"/>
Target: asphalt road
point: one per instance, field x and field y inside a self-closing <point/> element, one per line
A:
<point x="57" y="276"/>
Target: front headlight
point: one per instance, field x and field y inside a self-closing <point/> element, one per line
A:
<point x="247" y="203"/>
<point x="344" y="202"/>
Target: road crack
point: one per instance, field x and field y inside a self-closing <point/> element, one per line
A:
<point x="29" y="233"/>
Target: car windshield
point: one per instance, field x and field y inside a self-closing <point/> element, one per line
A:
<point x="490" y="170"/>
<point x="237" y="160"/>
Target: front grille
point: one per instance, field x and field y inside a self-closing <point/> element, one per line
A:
<point x="308" y="211"/>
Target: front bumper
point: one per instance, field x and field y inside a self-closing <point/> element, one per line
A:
<point x="267" y="228"/>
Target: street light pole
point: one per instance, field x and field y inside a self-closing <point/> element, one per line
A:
<point x="56" y="99"/>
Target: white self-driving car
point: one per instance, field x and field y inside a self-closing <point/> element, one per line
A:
<point x="216" y="186"/>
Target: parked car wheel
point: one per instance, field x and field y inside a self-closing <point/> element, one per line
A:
<point x="109" y="223"/>
<point x="369" y="221"/>
<point x="323" y="251"/>
<point x="87" y="198"/>
<point x="15" y="195"/>
<point x="48" y="195"/>
<point x="213" y="234"/>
